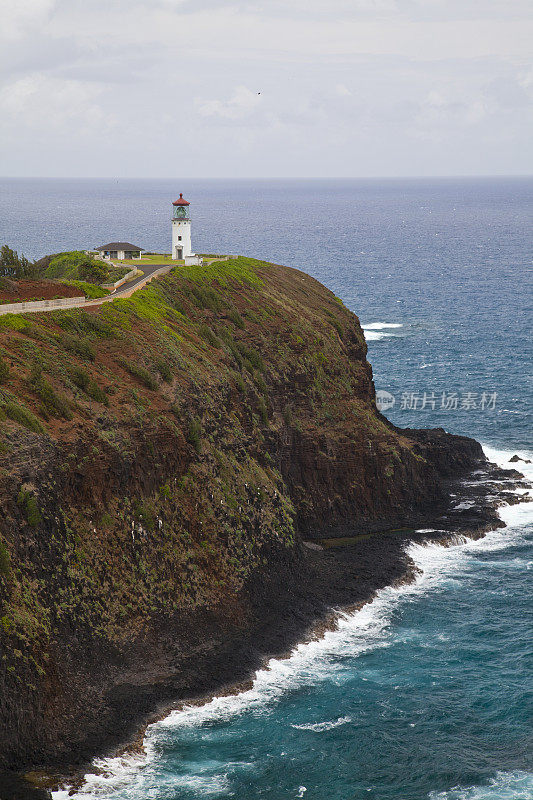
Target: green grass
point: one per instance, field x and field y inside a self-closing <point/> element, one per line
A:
<point x="149" y="260"/>
<point x="239" y="270"/>
<point x="16" y="322"/>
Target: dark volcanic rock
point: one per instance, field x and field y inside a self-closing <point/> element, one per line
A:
<point x="151" y="538"/>
<point x="15" y="787"/>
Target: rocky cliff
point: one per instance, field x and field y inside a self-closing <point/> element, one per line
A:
<point x="162" y="460"/>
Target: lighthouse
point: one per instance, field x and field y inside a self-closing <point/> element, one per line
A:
<point x="181" y="229"/>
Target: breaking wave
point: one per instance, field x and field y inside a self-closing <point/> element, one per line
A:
<point x="368" y="629"/>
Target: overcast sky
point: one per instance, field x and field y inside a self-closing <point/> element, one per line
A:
<point x="282" y="88"/>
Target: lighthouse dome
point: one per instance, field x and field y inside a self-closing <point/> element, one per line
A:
<point x="180" y="201"/>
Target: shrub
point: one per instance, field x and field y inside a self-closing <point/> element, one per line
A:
<point x="263" y="411"/>
<point x="77" y="265"/>
<point x="29" y="505"/>
<point x="53" y="402"/>
<point x="164" y="370"/>
<point x="236" y="318"/>
<point x="80" y="346"/>
<point x="332" y="319"/>
<point x="260" y="383"/>
<point x="106" y="521"/>
<point x="165" y="492"/>
<point x="90" y="290"/>
<point x="252" y="356"/>
<point x="4" y="371"/>
<point x="82" y="323"/>
<point x="5" y="561"/>
<point x="205" y="297"/>
<point x="144" y="515"/>
<point x="226" y="337"/>
<point x="207" y="333"/>
<point x="88" y="385"/>
<point x="23" y="416"/>
<point x="142" y="374"/>
<point x="194" y="434"/>
<point x="13" y="265"/>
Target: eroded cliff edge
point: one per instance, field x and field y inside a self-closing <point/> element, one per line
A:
<point x="162" y="460"/>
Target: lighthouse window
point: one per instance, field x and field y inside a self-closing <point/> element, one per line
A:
<point x="179" y="238"/>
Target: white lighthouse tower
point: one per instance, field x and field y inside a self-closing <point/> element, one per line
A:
<point x="181" y="229"/>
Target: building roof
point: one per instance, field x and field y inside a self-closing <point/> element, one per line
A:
<point x="180" y="201"/>
<point x="119" y="246"/>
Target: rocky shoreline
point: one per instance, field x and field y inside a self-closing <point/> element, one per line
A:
<point x="171" y="468"/>
<point x="287" y="610"/>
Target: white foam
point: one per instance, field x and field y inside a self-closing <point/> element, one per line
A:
<point x="374" y="331"/>
<point x="504" y="786"/>
<point x="521" y="514"/>
<point x="309" y="663"/>
<point x="375" y="336"/>
<point x="378" y="326"/>
<point x="319" y="727"/>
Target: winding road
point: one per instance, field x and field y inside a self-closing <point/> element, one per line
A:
<point x="126" y="290"/>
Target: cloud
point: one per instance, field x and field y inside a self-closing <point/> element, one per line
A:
<point x="20" y="16"/>
<point x="241" y="104"/>
<point x="46" y="103"/>
<point x="347" y="86"/>
<point x="342" y="91"/>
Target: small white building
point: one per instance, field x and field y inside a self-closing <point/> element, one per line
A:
<point x="181" y="232"/>
<point x="119" y="251"/>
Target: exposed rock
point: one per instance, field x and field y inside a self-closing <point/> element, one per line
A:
<point x="151" y="543"/>
<point x="516" y="458"/>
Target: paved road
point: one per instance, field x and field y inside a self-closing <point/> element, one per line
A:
<point x="134" y="284"/>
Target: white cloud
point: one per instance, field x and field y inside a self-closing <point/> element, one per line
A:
<point x="347" y="86"/>
<point x="19" y="16"/>
<point x="342" y="90"/>
<point x="241" y="104"/>
<point x="46" y="103"/>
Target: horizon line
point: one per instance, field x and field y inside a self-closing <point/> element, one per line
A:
<point x="268" y="178"/>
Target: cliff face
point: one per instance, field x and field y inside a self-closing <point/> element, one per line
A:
<point x="162" y="458"/>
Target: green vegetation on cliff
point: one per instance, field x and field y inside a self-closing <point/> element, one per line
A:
<point x="157" y="452"/>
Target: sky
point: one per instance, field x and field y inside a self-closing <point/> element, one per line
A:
<point x="265" y="88"/>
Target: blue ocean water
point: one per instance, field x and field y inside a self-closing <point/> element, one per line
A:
<point x="424" y="694"/>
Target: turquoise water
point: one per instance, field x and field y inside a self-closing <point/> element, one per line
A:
<point x="426" y="693"/>
<point x="421" y="694"/>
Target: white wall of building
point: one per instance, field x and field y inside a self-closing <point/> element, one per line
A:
<point x="181" y="228"/>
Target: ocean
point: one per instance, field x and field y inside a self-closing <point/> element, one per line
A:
<point x="425" y="693"/>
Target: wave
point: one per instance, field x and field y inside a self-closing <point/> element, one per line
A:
<point x="319" y="727"/>
<point x="522" y="513"/>
<point x="504" y="786"/>
<point x="312" y="662"/>
<point x="374" y="331"/>
<point x="377" y="326"/>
